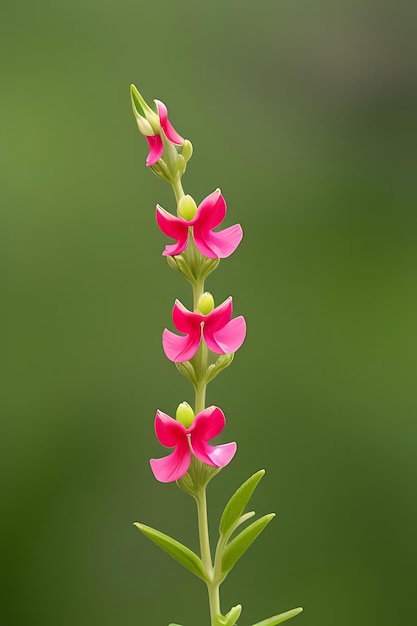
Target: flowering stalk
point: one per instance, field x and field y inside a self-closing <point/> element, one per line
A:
<point x="207" y="340"/>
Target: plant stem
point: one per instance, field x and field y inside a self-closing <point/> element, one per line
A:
<point x="201" y="364"/>
<point x="178" y="190"/>
<point x="212" y="588"/>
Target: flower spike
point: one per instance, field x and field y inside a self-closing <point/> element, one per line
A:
<point x="222" y="334"/>
<point x="210" y="213"/>
<point x="188" y="441"/>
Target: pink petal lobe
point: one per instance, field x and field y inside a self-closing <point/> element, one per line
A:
<point x="199" y="236"/>
<point x="168" y="431"/>
<point x="218" y="244"/>
<point x="207" y="424"/>
<point x="227" y="339"/>
<point x="156" y="149"/>
<point x="174" y="466"/>
<point x="216" y="456"/>
<point x="172" y="227"/>
<point x="180" y="349"/>
<point x="219" y="316"/>
<point x="186" y="321"/>
<point x="168" y="128"/>
<point x="212" y="210"/>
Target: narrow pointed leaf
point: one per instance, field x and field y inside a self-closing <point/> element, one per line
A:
<point x="233" y="615"/>
<point x="244" y="518"/>
<point x="278" y="619"/>
<point x="174" y="548"/>
<point x="238" y="546"/>
<point x="234" y="508"/>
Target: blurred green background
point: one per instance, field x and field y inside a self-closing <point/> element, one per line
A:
<point x="304" y="114"/>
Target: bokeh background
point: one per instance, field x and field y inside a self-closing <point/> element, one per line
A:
<point x="304" y="114"/>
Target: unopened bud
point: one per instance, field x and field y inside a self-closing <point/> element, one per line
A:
<point x="187" y="150"/>
<point x="185" y="414"/>
<point x="147" y="120"/>
<point x="143" y="125"/>
<point x="187" y="208"/>
<point x="205" y="303"/>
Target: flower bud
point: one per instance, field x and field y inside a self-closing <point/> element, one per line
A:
<point x="185" y="414"/>
<point x="146" y="119"/>
<point x="205" y="303"/>
<point x="187" y="208"/>
<point x="187" y="150"/>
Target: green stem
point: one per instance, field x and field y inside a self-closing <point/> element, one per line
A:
<point x="200" y="398"/>
<point x="178" y="189"/>
<point x="201" y="364"/>
<point x="201" y="358"/>
<point x="212" y="588"/>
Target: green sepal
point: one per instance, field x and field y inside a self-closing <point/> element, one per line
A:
<point x="161" y="170"/>
<point x="238" y="546"/>
<point x="174" y="548"/>
<point x="278" y="619"/>
<point x="197" y="478"/>
<point x="186" y="369"/>
<point x="223" y="361"/>
<point x="179" y="263"/>
<point x="234" y="508"/>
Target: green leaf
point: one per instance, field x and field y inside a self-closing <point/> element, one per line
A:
<point x="174" y="548"/>
<point x="243" y="519"/>
<point x="230" y="619"/>
<point x="238" y="546"/>
<point x="234" y="508"/>
<point x="278" y="619"/>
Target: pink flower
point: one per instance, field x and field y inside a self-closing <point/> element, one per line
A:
<point x="222" y="334"/>
<point x="187" y="441"/>
<point x="155" y="141"/>
<point x="210" y="214"/>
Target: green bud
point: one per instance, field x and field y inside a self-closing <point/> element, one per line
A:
<point x="206" y="303"/>
<point x="187" y="150"/>
<point x="146" y="119"/>
<point x="187" y="208"/>
<point x="180" y="166"/>
<point x="185" y="414"/>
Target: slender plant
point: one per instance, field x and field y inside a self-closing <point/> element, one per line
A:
<point x="209" y="337"/>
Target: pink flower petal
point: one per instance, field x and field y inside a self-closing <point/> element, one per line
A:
<point x="207" y="424"/>
<point x="217" y="245"/>
<point x="199" y="236"/>
<point x="219" y="316"/>
<point x="216" y="456"/>
<point x="228" y="339"/>
<point x="174" y="466"/>
<point x="168" y="129"/>
<point x="180" y="349"/>
<point x="156" y="149"/>
<point x="172" y="227"/>
<point x="211" y="211"/>
<point x="169" y="432"/>
<point x="186" y="321"/>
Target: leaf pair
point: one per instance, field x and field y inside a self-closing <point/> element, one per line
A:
<point x="229" y="551"/>
<point x="270" y="621"/>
